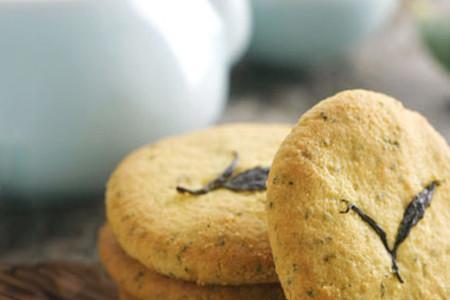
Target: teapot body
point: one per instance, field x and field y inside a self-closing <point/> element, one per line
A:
<point x="83" y="82"/>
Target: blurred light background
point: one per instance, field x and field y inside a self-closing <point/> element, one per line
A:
<point x="83" y="82"/>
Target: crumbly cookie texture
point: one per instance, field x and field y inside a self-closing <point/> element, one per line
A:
<point x="216" y="238"/>
<point x="363" y="148"/>
<point x="137" y="282"/>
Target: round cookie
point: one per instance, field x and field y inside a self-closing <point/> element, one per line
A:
<point x="359" y="154"/>
<point x="137" y="282"/>
<point x="216" y="238"/>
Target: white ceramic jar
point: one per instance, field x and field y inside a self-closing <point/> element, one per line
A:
<point x="82" y="82"/>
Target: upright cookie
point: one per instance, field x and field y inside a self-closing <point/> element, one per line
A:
<point x="210" y="237"/>
<point x="359" y="203"/>
<point x="137" y="282"/>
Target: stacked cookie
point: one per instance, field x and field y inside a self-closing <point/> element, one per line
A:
<point x="358" y="207"/>
<point x="186" y="217"/>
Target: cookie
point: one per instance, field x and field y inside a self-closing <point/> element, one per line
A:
<point x="359" y="203"/>
<point x="218" y="237"/>
<point x="137" y="282"/>
<point x="123" y="295"/>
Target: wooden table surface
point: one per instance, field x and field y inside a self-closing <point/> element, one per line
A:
<point x="392" y="61"/>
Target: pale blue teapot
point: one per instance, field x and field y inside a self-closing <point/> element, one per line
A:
<point x="83" y="82"/>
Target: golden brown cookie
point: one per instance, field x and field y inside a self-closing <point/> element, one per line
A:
<point x="141" y="283"/>
<point x="216" y="238"/>
<point x="355" y="158"/>
<point x="123" y="295"/>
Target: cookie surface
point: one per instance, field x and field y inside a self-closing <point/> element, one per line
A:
<point x="123" y="295"/>
<point x="363" y="148"/>
<point x="137" y="282"/>
<point x="216" y="238"/>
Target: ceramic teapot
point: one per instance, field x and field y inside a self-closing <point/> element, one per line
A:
<point x="83" y="82"/>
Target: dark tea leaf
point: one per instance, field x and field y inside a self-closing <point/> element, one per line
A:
<point x="216" y="183"/>
<point x="414" y="212"/>
<point x="250" y="180"/>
